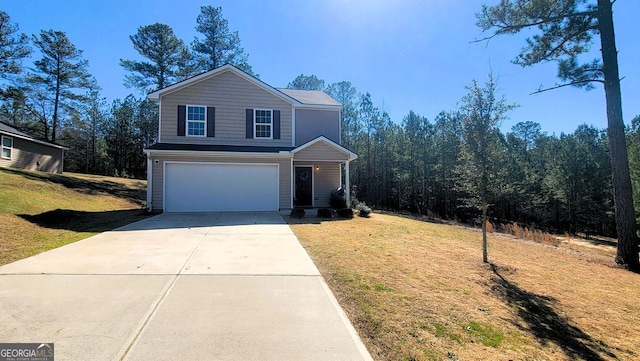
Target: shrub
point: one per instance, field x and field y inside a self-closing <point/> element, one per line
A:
<point x="363" y="210"/>
<point x="297" y="213"/>
<point x="324" y="213"/>
<point x="489" y="226"/>
<point x="338" y="199"/>
<point x="530" y="234"/>
<point x="345" y="213"/>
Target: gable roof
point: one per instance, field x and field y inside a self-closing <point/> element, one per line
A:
<point x="329" y="142"/>
<point x="13" y="132"/>
<point x="6" y="128"/>
<point x="311" y="97"/>
<point x="303" y="102"/>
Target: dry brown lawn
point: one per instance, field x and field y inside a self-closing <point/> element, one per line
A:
<point x="419" y="291"/>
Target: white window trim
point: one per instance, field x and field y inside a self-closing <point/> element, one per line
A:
<point x="186" y="118"/>
<point x="255" y="133"/>
<point x="3" y="147"/>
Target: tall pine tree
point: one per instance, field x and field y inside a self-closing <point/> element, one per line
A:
<point x="218" y="45"/>
<point x="14" y="47"/>
<point x="166" y="54"/>
<point x="62" y="75"/>
<point x="568" y="28"/>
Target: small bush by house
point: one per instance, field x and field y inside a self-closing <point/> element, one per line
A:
<point x="325" y="213"/>
<point x="297" y="213"/>
<point x="345" y="213"/>
<point x="338" y="199"/>
<point x="363" y="210"/>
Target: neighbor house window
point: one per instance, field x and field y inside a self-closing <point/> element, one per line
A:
<point x="7" y="147"/>
<point x="196" y="123"/>
<point x="262" y="123"/>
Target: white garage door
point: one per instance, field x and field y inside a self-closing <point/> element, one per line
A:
<point x="206" y="187"/>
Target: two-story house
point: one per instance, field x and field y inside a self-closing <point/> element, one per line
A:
<point x="229" y="142"/>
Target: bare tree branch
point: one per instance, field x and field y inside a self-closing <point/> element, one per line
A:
<point x="573" y="83"/>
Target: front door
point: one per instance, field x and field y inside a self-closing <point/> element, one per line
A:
<point x="304" y="187"/>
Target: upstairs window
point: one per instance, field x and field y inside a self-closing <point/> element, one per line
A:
<point x="196" y="120"/>
<point x="262" y="123"/>
<point x="7" y="147"/>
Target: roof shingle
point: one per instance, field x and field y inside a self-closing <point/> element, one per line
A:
<point x="310" y="97"/>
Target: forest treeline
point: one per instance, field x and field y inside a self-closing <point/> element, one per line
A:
<point x="418" y="164"/>
<point x="560" y="183"/>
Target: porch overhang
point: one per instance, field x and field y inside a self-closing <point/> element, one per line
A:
<point x="323" y="149"/>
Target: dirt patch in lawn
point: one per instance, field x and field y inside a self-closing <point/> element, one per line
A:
<point x="419" y="291"/>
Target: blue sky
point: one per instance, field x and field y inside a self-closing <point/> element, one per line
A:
<point x="409" y="54"/>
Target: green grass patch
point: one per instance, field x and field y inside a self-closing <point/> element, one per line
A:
<point x="485" y="334"/>
<point x="382" y="287"/>
<point x="41" y="211"/>
<point x="443" y="331"/>
<point x="440" y="330"/>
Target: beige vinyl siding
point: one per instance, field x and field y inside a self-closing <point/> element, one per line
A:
<point x="33" y="156"/>
<point x="310" y="124"/>
<point x="320" y="151"/>
<point x="158" y="186"/>
<point x="326" y="178"/>
<point x="231" y="95"/>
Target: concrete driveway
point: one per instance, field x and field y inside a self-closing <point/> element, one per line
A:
<point x="198" y="286"/>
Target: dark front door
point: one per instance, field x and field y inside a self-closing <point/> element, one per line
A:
<point x="304" y="187"/>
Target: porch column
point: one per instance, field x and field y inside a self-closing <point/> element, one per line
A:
<point x="346" y="180"/>
<point x="293" y="191"/>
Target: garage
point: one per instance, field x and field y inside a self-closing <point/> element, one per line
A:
<point x="210" y="187"/>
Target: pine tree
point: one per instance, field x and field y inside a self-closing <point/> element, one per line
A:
<point x="568" y="28"/>
<point x="14" y="47"/>
<point x="62" y="75"/>
<point x="634" y="161"/>
<point x="347" y="95"/>
<point x="306" y="82"/>
<point x="166" y="54"/>
<point x="219" y="45"/>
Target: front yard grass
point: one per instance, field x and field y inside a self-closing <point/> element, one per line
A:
<point x="41" y="211"/>
<point x="419" y="291"/>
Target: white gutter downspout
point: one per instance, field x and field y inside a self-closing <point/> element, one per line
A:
<point x="346" y="180"/>
<point x="293" y="126"/>
<point x="149" y="182"/>
<point x="160" y="120"/>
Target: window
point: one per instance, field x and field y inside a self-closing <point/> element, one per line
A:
<point x="196" y="120"/>
<point x="7" y="147"/>
<point x="262" y="123"/>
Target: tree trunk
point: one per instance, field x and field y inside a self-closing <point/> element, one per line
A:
<point x="627" y="252"/>
<point x="485" y="256"/>
<point x="56" y="106"/>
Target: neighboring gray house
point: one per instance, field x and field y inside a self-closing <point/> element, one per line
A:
<point x="229" y="142"/>
<point x="21" y="150"/>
